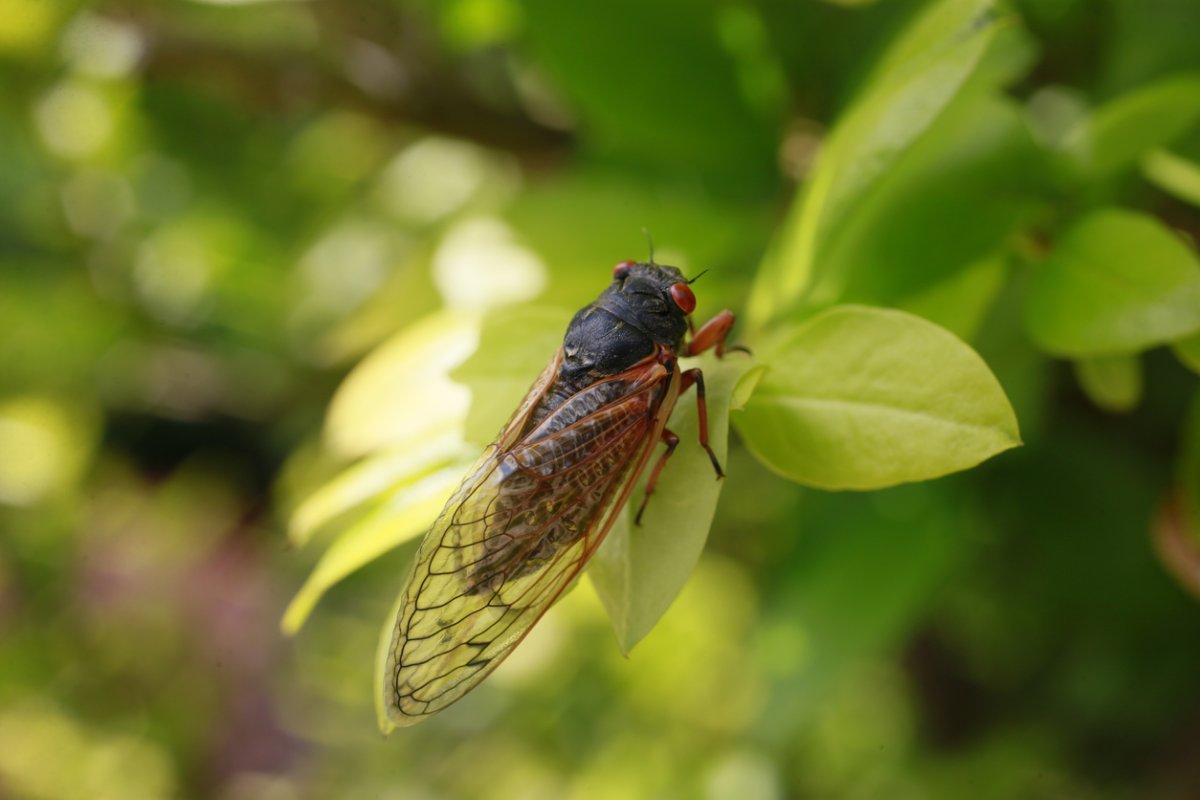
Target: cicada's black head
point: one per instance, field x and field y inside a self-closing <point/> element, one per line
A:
<point x="645" y="305"/>
<point x="654" y="297"/>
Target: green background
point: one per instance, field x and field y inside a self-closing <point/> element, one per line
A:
<point x="212" y="213"/>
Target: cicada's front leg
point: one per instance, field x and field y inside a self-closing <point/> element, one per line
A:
<point x="696" y="377"/>
<point x="710" y="336"/>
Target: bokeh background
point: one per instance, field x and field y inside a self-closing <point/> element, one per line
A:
<point x="211" y="211"/>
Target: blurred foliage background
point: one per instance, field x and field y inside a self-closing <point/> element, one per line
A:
<point x="213" y="210"/>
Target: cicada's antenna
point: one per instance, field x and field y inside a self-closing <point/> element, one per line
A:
<point x="650" y="242"/>
<point x="693" y="280"/>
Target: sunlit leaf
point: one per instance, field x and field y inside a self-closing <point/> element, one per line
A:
<point x="406" y="513"/>
<point x="639" y="570"/>
<point x="744" y="388"/>
<point x="1117" y="282"/>
<point x="514" y="346"/>
<point x="369" y="479"/>
<point x="1114" y="383"/>
<point x="916" y="79"/>
<point x="402" y="394"/>
<point x="862" y="398"/>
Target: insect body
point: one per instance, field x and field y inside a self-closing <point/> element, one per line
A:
<point x="539" y="501"/>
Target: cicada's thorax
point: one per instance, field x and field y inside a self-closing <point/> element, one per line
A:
<point x="613" y="378"/>
<point x="633" y="319"/>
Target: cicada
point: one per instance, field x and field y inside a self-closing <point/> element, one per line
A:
<point x="542" y="497"/>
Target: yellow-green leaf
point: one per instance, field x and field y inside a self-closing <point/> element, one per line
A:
<point x="402" y="394"/>
<point x="515" y="344"/>
<point x="862" y="398"/>
<point x="369" y="479"/>
<point x="407" y="513"/>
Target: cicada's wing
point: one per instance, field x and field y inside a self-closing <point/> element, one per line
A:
<point x="516" y="533"/>
<point x="519" y="422"/>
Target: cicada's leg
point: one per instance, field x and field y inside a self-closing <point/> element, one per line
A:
<point x="711" y="335"/>
<point x="689" y="378"/>
<point x="672" y="441"/>
<point x="695" y="376"/>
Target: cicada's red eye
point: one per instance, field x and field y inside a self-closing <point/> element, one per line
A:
<point x="681" y="293"/>
<point x="622" y="267"/>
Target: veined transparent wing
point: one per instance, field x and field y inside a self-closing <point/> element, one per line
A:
<point x="518" y="531"/>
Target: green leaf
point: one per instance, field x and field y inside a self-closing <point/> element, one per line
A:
<point x="953" y="199"/>
<point x="639" y="570"/>
<point x="862" y="398"/>
<point x="1118" y="133"/>
<point x="401" y="394"/>
<point x="744" y="388"/>
<point x="1117" y="282"/>
<point x="1114" y="383"/>
<point x="1173" y="174"/>
<point x="1187" y="350"/>
<point x="695" y="106"/>
<point x="515" y="344"/>
<point x="910" y="87"/>
<point x="401" y="409"/>
<point x="406" y="513"/>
